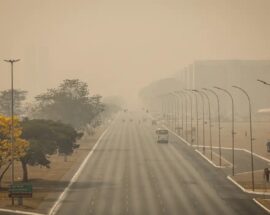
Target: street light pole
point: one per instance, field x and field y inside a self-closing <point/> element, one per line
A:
<point x="182" y="111"/>
<point x="191" y="117"/>
<point x="218" y="108"/>
<point x="233" y="132"/>
<point x="185" y="95"/>
<point x="168" y="111"/>
<point x="202" y="119"/>
<point x="12" y="61"/>
<point x="210" y="124"/>
<point x="251" y="134"/>
<point x="171" y="110"/>
<point x="174" y="110"/>
<point x="197" y="118"/>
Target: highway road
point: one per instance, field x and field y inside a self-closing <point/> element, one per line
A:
<point x="129" y="173"/>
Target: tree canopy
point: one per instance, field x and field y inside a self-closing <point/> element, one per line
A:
<point x="45" y="138"/>
<point x="20" y="145"/>
<point x="5" y="101"/>
<point x="69" y="103"/>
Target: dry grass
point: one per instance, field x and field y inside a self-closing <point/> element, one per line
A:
<point x="261" y="133"/>
<point x="48" y="181"/>
<point x="244" y="179"/>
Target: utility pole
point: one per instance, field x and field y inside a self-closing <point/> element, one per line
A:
<point x="233" y="132"/>
<point x="219" y="128"/>
<point x="197" y="91"/>
<point x="210" y="124"/>
<point x="191" y="117"/>
<point x="251" y="134"/>
<point x="12" y="61"/>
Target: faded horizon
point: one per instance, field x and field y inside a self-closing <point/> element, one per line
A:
<point x="119" y="47"/>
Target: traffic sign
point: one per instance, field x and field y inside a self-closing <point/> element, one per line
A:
<point x="21" y="190"/>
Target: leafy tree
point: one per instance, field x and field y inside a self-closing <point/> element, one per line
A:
<point x="45" y="137"/>
<point x="20" y="145"/>
<point x="70" y="103"/>
<point x="5" y="101"/>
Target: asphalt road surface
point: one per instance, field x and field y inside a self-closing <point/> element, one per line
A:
<point x="129" y="173"/>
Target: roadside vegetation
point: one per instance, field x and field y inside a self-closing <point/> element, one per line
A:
<point x="51" y="125"/>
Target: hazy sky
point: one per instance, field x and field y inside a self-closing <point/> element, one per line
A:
<point x="119" y="46"/>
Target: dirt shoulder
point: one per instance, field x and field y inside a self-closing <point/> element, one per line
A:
<point x="49" y="183"/>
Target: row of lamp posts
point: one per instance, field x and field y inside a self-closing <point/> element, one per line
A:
<point x="185" y="95"/>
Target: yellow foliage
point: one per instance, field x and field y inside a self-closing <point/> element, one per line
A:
<point x="20" y="145"/>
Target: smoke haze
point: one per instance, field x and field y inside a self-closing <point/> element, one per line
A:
<point x="119" y="46"/>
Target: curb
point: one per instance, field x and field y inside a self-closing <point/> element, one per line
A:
<point x="245" y="190"/>
<point x="261" y="205"/>
<point x="211" y="162"/>
<point x="19" y="212"/>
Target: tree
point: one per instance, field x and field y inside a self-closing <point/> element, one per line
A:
<point x="5" y="101"/>
<point x="70" y="103"/>
<point x="112" y="105"/>
<point x="20" y="145"/>
<point x="45" y="137"/>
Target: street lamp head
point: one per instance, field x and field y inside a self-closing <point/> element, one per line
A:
<point x="264" y="82"/>
<point x="12" y="60"/>
<point x="236" y="87"/>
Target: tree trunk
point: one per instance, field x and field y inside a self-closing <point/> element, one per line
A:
<point x="25" y="171"/>
<point x="3" y="173"/>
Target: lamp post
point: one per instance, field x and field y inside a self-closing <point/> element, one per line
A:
<point x="197" y="118"/>
<point x="171" y="100"/>
<point x="197" y="91"/>
<point x="251" y="134"/>
<point x="184" y="94"/>
<point x="191" y="116"/>
<point x="218" y="108"/>
<point x="162" y="107"/>
<point x="12" y="61"/>
<point x="174" y="110"/>
<point x="167" y="111"/>
<point x="233" y="132"/>
<point x="177" y="105"/>
<point x="210" y="124"/>
<point x="182" y="111"/>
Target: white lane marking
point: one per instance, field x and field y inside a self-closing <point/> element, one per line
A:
<point x="259" y="156"/>
<point x="217" y="147"/>
<point x="260" y="204"/>
<point x="241" y="173"/>
<point x="59" y="201"/>
<point x="245" y="190"/>
<point x="19" y="212"/>
<point x="182" y="139"/>
<point x="206" y="158"/>
<point x="222" y="158"/>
